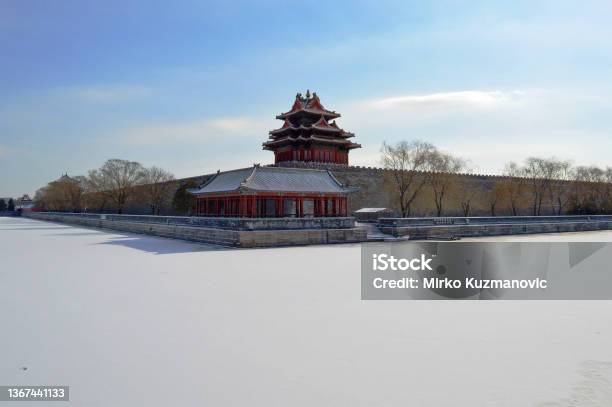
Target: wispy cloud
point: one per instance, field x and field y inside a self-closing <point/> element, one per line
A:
<point x="442" y="112"/>
<point x="465" y="98"/>
<point x="220" y="128"/>
<point x="488" y="127"/>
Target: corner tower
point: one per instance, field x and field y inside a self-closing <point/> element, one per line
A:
<point x="310" y="133"/>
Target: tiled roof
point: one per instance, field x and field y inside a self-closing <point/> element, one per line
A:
<point x="273" y="179"/>
<point x="309" y="104"/>
<point x="322" y="140"/>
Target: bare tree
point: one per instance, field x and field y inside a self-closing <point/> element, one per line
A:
<point x="590" y="174"/>
<point x="74" y="190"/>
<point x="495" y="195"/>
<point x="561" y="172"/>
<point x="513" y="186"/>
<point x="469" y="191"/>
<point x="608" y="190"/>
<point x="539" y="173"/>
<point x="541" y="178"/>
<point x="442" y="168"/>
<point x="63" y="194"/>
<point x="406" y="161"/>
<point x="156" y="188"/>
<point x="116" y="179"/>
<point x="591" y="190"/>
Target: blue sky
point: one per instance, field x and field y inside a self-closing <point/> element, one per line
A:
<point x="194" y="86"/>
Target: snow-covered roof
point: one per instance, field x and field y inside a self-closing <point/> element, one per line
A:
<point x="372" y="210"/>
<point x="273" y="179"/>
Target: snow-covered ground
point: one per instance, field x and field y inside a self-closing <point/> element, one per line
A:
<point x="130" y="320"/>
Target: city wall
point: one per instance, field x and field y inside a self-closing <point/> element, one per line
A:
<point x="376" y="190"/>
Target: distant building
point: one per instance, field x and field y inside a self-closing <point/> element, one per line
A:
<point x="261" y="192"/>
<point x="310" y="133"/>
<point x="24" y="203"/>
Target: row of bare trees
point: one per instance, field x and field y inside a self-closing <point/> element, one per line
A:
<point x="536" y="187"/>
<point x="416" y="165"/>
<point x="113" y="184"/>
<point x="560" y="186"/>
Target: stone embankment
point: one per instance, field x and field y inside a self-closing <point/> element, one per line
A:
<point x="237" y="232"/>
<point x="449" y="227"/>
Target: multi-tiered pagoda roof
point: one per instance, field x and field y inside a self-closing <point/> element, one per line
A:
<point x="310" y="133"/>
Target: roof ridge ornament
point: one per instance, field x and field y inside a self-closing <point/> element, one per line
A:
<point x="309" y="133"/>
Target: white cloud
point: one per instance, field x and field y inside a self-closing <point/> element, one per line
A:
<point x="231" y="124"/>
<point x="193" y="131"/>
<point x="465" y="98"/>
<point x="488" y="127"/>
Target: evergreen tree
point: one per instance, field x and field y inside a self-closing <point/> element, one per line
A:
<point x="2" y="205"/>
<point x="11" y="205"/>
<point x="184" y="202"/>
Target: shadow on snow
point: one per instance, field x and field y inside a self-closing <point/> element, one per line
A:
<point x="160" y="245"/>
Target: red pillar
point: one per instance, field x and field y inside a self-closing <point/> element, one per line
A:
<point x="279" y="207"/>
